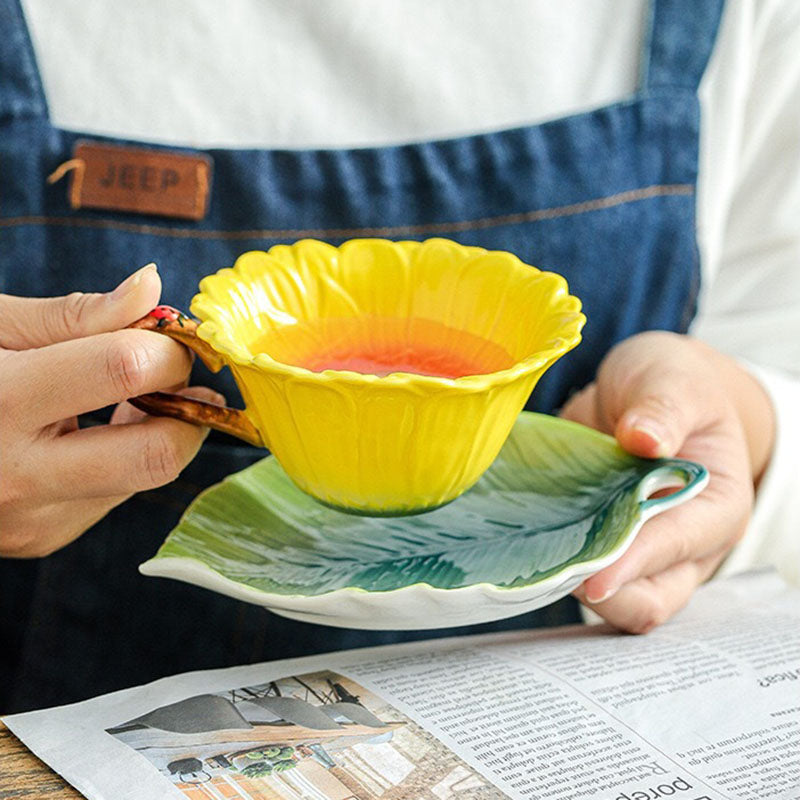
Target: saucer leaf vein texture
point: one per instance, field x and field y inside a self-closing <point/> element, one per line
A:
<point x="558" y="496"/>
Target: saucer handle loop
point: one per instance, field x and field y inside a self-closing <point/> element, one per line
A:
<point x="176" y="325"/>
<point x="691" y="477"/>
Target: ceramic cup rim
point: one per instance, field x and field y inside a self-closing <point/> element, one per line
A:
<point x="234" y="352"/>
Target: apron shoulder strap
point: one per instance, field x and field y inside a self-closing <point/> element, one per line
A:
<point x="21" y="92"/>
<point x="679" y="42"/>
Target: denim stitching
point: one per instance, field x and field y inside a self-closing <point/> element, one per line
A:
<point x="540" y="215"/>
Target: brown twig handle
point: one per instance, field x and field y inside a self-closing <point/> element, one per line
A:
<point x="176" y="325"/>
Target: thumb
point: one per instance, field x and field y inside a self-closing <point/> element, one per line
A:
<point x="661" y="410"/>
<point x="27" y="322"/>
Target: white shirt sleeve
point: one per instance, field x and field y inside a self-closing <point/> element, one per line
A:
<point x="751" y="305"/>
<point x="773" y="536"/>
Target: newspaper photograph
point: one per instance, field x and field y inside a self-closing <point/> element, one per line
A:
<point x="317" y="735"/>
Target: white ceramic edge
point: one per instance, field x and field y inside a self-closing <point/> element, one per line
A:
<point x="402" y="609"/>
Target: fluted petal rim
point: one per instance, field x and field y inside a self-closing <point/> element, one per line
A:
<point x="230" y="292"/>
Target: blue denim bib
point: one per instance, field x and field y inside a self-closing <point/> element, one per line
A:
<point x="605" y="197"/>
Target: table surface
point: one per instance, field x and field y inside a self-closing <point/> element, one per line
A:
<point x="22" y="775"/>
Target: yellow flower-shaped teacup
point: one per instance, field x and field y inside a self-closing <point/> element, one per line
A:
<point x="384" y="376"/>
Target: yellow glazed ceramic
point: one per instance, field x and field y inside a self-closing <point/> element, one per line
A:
<point x="328" y="346"/>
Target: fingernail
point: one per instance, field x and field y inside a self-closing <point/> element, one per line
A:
<point x="653" y="431"/>
<point x="131" y="282"/>
<point x="590" y="598"/>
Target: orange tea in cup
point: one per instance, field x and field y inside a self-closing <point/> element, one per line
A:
<point x="372" y="345"/>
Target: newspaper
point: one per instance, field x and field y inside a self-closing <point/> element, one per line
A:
<point x="704" y="708"/>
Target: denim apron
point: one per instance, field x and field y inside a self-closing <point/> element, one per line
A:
<point x="605" y="197"/>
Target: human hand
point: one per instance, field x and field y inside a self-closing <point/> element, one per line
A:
<point x="64" y="356"/>
<point x="662" y="395"/>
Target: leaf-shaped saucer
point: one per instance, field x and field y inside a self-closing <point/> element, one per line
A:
<point x="560" y="502"/>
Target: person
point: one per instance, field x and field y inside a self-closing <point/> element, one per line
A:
<point x="587" y="138"/>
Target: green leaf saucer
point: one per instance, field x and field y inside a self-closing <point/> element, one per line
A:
<point x="560" y="502"/>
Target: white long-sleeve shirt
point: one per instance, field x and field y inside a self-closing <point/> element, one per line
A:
<point x="340" y="73"/>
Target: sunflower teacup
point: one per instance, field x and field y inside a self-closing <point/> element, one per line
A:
<point x="384" y="376"/>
